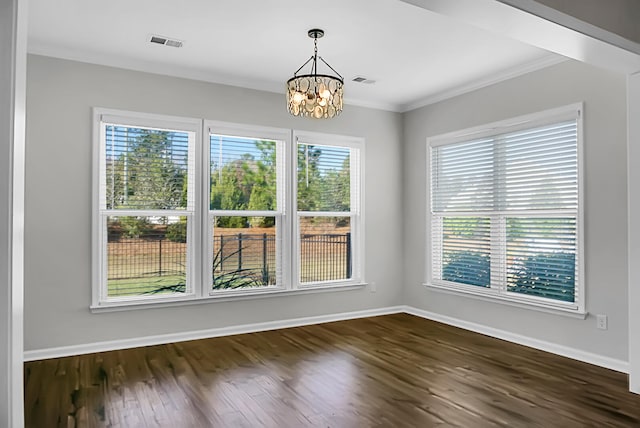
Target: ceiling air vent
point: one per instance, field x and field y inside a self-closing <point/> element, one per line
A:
<point x="160" y="40"/>
<point x="360" y="79"/>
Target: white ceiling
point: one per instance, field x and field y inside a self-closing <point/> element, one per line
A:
<point x="415" y="56"/>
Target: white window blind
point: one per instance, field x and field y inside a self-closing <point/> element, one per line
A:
<point x="505" y="212"/>
<point x="146" y="168"/>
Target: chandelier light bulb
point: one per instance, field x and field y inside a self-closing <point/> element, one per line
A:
<point x="323" y="91"/>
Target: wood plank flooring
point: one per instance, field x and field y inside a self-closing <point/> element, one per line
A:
<point x="388" y="371"/>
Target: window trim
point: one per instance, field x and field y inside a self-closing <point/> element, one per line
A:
<point x="200" y="249"/>
<point x="568" y="112"/>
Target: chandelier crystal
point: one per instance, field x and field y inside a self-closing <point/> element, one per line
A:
<point x="319" y="96"/>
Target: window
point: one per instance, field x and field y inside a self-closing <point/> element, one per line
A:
<point x="184" y="216"/>
<point x="505" y="210"/>
<point x="328" y="209"/>
<point x="246" y="201"/>
<point x="146" y="208"/>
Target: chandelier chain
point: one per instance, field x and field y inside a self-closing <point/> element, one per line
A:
<point x="315" y="55"/>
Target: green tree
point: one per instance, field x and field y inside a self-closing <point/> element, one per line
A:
<point x="336" y="186"/>
<point x="156" y="181"/>
<point x="145" y="174"/>
<point x="263" y="191"/>
<point x="246" y="183"/>
<point x="229" y="195"/>
<point x="115" y="188"/>
<point x="309" y="180"/>
<point x="465" y="227"/>
<point x="135" y="227"/>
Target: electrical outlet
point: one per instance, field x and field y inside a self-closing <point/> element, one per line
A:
<point x="372" y="287"/>
<point x="601" y="322"/>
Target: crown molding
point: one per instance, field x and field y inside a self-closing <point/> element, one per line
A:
<point x="181" y="72"/>
<point x="265" y="86"/>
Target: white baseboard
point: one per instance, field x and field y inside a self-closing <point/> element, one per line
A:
<point x="554" y="348"/>
<point x="565" y="351"/>
<point x="112" y="345"/>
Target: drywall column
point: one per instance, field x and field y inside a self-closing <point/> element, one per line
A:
<point x="13" y="58"/>
<point x="541" y="26"/>
<point x="633" y="179"/>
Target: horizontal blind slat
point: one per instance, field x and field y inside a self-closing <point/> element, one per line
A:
<point x="243" y="174"/>
<point x="324" y="177"/>
<point x="146" y="168"/>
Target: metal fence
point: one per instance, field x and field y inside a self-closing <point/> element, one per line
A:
<point x="243" y="252"/>
<point x="323" y="257"/>
<point x="144" y="257"/>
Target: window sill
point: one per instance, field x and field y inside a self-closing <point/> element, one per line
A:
<point x="222" y="297"/>
<point x="510" y="301"/>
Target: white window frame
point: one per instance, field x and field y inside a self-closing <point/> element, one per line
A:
<point x="199" y="246"/>
<point x="99" y="236"/>
<point x="495" y="293"/>
<point x="356" y="203"/>
<point x="282" y="137"/>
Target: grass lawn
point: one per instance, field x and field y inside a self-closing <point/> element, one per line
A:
<point x="137" y="286"/>
<point x="135" y="265"/>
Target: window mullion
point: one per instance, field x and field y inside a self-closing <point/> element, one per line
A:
<point x="498" y="222"/>
<point x="285" y="163"/>
<point x="291" y="258"/>
<point x="436" y="246"/>
<point x="202" y="246"/>
<point x="498" y="252"/>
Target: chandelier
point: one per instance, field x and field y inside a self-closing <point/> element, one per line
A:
<point x="314" y="95"/>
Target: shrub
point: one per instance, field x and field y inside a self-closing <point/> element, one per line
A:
<point x="232" y="222"/>
<point x="114" y="229"/>
<point x="262" y="221"/>
<point x="236" y="278"/>
<point x="177" y="232"/>
<point x="134" y="227"/>
<point x="467" y="267"/>
<point x="550" y="275"/>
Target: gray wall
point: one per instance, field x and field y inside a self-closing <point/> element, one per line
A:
<point x="58" y="203"/>
<point x="57" y="278"/>
<point x="604" y="95"/>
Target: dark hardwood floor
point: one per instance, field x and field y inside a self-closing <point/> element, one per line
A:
<point x="388" y="371"/>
